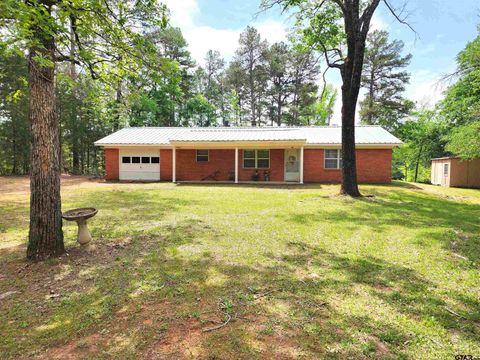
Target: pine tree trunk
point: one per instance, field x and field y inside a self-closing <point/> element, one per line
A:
<point x="14" y="148"/>
<point x="46" y="235"/>
<point x="118" y="102"/>
<point x="418" y="163"/>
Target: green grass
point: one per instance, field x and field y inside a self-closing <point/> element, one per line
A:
<point x="291" y="272"/>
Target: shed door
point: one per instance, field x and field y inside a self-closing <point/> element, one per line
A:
<point x="445" y="168"/>
<point x="139" y="165"/>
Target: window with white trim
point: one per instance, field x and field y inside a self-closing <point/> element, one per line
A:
<point x="445" y="169"/>
<point x="202" y="155"/>
<point x="333" y="159"/>
<point x="256" y="159"/>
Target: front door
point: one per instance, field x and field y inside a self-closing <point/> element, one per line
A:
<point x="292" y="165"/>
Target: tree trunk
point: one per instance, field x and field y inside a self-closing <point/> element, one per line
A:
<point x="279" y="110"/>
<point x="14" y="148"/>
<point x="45" y="235"/>
<point x="349" y="168"/>
<point x="370" y="100"/>
<point x="75" y="157"/>
<point x="118" y="102"/>
<point x="351" y="79"/>
<point x="356" y="29"/>
<point x="73" y="106"/>
<point x="252" y="95"/>
<point x="418" y="163"/>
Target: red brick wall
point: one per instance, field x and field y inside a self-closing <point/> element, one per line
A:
<point x="111" y="164"/>
<point x="373" y="166"/>
<point x="188" y="169"/>
<point x="276" y="167"/>
<point x="165" y="165"/>
<point x="314" y="170"/>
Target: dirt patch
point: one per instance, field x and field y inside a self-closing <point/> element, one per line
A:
<point x="79" y="349"/>
<point x="384" y="288"/>
<point x="181" y="341"/>
<point x="16" y="184"/>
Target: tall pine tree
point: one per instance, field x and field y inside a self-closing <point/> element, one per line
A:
<point x="385" y="81"/>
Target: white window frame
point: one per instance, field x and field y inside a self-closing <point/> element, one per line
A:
<point x="203" y="155"/>
<point x="256" y="158"/>
<point x="445" y="169"/>
<point x="338" y="158"/>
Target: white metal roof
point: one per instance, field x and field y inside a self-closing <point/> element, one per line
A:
<point x="142" y="136"/>
<point x="241" y="134"/>
<point x="310" y="135"/>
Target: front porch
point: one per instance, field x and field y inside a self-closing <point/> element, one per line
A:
<point x="238" y="165"/>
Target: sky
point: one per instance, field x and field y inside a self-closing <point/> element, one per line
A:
<point x="443" y="26"/>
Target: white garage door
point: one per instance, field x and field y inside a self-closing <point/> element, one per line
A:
<point x="139" y="165"/>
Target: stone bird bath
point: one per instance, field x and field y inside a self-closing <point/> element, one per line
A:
<point x="81" y="215"/>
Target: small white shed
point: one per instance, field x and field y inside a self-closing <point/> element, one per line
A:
<point x="455" y="172"/>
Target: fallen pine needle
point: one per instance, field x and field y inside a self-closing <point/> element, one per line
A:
<point x="218" y="326"/>
<point x="454" y="313"/>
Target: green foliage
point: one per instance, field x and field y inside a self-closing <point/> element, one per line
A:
<point x="323" y="108"/>
<point x="462" y="100"/>
<point x="464" y="141"/>
<point x="199" y="112"/>
<point x="424" y="137"/>
<point x="14" y="126"/>
<point x="321" y="27"/>
<point x="105" y="34"/>
<point x="384" y="82"/>
<point x="461" y="106"/>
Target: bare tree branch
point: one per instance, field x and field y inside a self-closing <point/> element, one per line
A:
<point x="400" y="19"/>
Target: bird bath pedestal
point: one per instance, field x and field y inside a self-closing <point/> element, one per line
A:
<point x="80" y="216"/>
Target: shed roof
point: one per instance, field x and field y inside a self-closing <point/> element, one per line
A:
<point x="310" y="135"/>
<point x="445" y="158"/>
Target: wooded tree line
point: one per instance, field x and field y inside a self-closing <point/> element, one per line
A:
<point x="263" y="85"/>
<point x="451" y="128"/>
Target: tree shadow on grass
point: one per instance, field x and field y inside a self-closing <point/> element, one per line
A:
<point x="149" y="297"/>
<point x="398" y="286"/>
<point x="258" y="185"/>
<point x="408" y="210"/>
<point x="146" y="298"/>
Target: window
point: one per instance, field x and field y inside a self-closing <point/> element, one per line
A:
<point x="333" y="159"/>
<point x="145" y="160"/>
<point x="202" y="155"/>
<point x="125" y="159"/>
<point x="155" y="160"/>
<point x="253" y="159"/>
<point x="135" y="159"/>
<point x="445" y="169"/>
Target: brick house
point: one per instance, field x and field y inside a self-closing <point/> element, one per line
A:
<point x="282" y="154"/>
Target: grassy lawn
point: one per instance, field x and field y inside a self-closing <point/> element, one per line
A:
<point x="232" y="272"/>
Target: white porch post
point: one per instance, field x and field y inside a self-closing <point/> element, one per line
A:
<point x="301" y="165"/>
<point x="236" y="165"/>
<point x="174" y="164"/>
